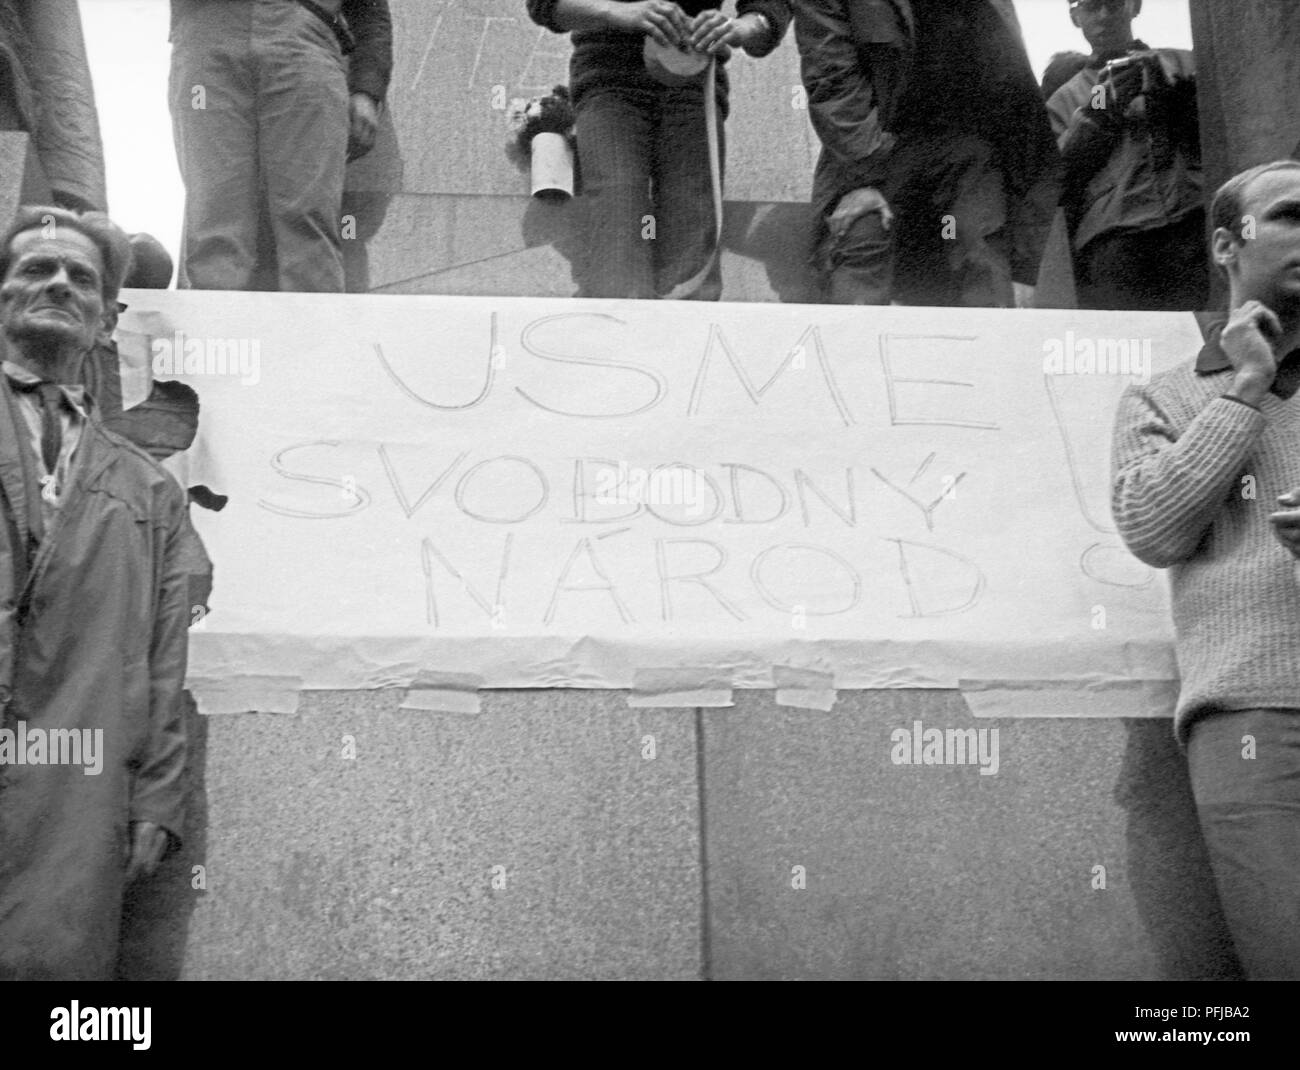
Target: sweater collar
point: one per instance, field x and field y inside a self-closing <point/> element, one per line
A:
<point x="1212" y="359"/>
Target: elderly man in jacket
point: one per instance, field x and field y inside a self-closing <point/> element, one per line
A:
<point x="270" y="99"/>
<point x="93" y="616"/>
<point x="938" y="174"/>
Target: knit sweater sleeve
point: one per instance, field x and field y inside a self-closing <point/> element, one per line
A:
<point x="1169" y="484"/>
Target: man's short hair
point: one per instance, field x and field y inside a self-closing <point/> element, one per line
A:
<point x="1228" y="209"/>
<point x="113" y="244"/>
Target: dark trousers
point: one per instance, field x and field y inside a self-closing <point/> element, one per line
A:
<point x="646" y="189"/>
<point x="1166" y="269"/>
<point x="947" y="245"/>
<point x="1250" y="816"/>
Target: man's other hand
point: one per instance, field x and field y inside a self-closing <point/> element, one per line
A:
<point x="148" y="842"/>
<point x="854" y="205"/>
<point x="1024" y="294"/>
<point x="661" y="19"/>
<point x="1247" y="341"/>
<point x="1286" y="521"/>
<point x="363" y="124"/>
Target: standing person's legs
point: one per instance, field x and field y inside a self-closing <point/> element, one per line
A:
<point x="968" y="214"/>
<point x="212" y="93"/>
<point x="1180" y="265"/>
<point x="1166" y="269"/>
<point x="869" y="264"/>
<point x="683" y="194"/>
<point x="1245" y="773"/>
<point x="859" y="266"/>
<point x="615" y="144"/>
<point x="303" y="137"/>
<point x="1104" y="275"/>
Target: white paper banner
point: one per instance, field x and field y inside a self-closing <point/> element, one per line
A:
<point x="559" y="493"/>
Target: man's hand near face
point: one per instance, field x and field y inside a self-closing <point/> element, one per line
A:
<point x="1247" y="341"/>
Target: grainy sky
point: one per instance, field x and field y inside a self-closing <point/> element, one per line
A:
<point x="127" y="42"/>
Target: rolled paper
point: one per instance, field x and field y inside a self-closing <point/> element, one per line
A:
<point x="552" y="166"/>
<point x="673" y="66"/>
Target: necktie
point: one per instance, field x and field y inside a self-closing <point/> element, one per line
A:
<point x="51" y="395"/>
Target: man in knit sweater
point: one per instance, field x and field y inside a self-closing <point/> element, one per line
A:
<point x="1207" y="484"/>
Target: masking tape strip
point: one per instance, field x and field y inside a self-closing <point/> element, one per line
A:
<point x="444" y="692"/>
<point x="1058" y="698"/>
<point x="807" y="689"/>
<point x="679" y="687"/>
<point x="246" y="694"/>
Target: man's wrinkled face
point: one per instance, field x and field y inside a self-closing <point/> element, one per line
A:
<point x="53" y="291"/>
<point x="1266" y="259"/>
<point x="1107" y="24"/>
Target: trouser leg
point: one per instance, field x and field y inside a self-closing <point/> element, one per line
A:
<point x="1249" y="809"/>
<point x="303" y="126"/>
<point x="1166" y="269"/>
<point x="970" y="212"/>
<point x="615" y="144"/>
<point x="859" y="265"/>
<point x="213" y="98"/>
<point x="867" y="264"/>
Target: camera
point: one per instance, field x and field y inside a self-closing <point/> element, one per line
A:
<point x="1154" y="75"/>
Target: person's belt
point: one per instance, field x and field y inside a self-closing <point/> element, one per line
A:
<point x="337" y="23"/>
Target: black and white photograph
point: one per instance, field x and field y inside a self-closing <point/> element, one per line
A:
<point x="652" y="490"/>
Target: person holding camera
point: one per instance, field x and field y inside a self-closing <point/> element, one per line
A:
<point x="1127" y="127"/>
<point x="643" y="131"/>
